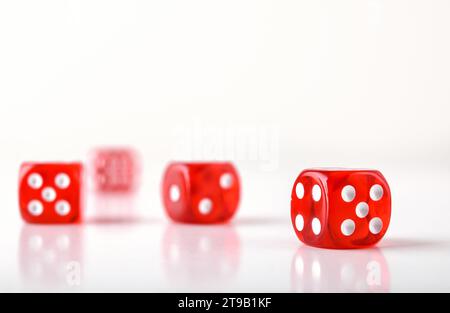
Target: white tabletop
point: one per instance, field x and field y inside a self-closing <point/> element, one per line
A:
<point x="118" y="249"/>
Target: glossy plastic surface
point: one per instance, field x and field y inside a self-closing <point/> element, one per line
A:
<point x="340" y="208"/>
<point x="48" y="190"/>
<point x="201" y="193"/>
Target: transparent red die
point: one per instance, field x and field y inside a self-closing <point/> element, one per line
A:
<point x="340" y="208"/>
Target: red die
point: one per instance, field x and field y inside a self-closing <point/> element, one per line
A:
<point x="115" y="170"/>
<point x="202" y="193"/>
<point x="50" y="192"/>
<point x="340" y="209"/>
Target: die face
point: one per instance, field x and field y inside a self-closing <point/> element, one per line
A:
<point x="360" y="208"/>
<point x="214" y="192"/>
<point x="354" y="210"/>
<point x="176" y="196"/>
<point x="202" y="193"/>
<point x="115" y="170"/>
<point x="50" y="193"/>
<point x="309" y="208"/>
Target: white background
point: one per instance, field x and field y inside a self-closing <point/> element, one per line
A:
<point x="276" y="86"/>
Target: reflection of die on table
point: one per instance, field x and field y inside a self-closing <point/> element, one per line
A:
<point x="200" y="255"/>
<point x="323" y="270"/>
<point x="51" y="255"/>
<point x="340" y="208"/>
<point x="50" y="192"/>
<point x="115" y="170"/>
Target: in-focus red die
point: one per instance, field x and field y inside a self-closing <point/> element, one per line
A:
<point x="50" y="192"/>
<point x="340" y="208"/>
<point x="115" y="169"/>
<point x="202" y="193"/>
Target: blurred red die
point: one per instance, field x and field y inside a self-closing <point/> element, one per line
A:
<point x="115" y="169"/>
<point x="201" y="193"/>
